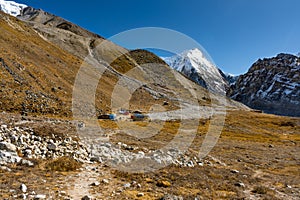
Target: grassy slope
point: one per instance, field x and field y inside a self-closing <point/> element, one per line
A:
<point x="41" y="73"/>
<point x="37" y="76"/>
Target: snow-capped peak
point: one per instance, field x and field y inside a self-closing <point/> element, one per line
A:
<point x="195" y="65"/>
<point x="197" y="56"/>
<point x="11" y="7"/>
<point x="194" y="56"/>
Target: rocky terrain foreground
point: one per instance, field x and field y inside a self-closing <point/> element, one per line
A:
<point x="256" y="157"/>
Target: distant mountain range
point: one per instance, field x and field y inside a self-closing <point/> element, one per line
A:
<point x="271" y="85"/>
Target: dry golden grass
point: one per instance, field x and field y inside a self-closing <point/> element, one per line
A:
<point x="251" y="126"/>
<point x="108" y="124"/>
<point x="145" y="57"/>
<point x="260" y="190"/>
<point x="245" y="144"/>
<point x="63" y="164"/>
<point x="38" y="67"/>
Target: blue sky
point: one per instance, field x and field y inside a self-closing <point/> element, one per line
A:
<point x="234" y="32"/>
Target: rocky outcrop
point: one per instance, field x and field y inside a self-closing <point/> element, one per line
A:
<point x="271" y="85"/>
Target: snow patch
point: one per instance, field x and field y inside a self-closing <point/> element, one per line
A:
<point x="11" y="7"/>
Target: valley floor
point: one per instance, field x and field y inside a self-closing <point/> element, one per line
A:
<point x="256" y="157"/>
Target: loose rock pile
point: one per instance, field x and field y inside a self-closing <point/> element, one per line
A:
<point x="19" y="144"/>
<point x="120" y="153"/>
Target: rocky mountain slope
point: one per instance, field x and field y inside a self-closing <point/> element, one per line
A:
<point x="35" y="76"/>
<point x="193" y="64"/>
<point x="39" y="70"/>
<point x="271" y="85"/>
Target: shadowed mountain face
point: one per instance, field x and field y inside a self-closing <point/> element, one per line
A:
<point x="271" y="85"/>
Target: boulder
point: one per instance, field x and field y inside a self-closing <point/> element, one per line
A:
<point x="7" y="147"/>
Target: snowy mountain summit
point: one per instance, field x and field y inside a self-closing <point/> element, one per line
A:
<point x="197" y="67"/>
<point x="11" y="7"/>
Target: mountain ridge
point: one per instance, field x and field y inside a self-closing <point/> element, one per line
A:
<point x="271" y="85"/>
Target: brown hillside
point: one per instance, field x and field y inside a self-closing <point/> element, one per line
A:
<point x="40" y="60"/>
<point x="36" y="76"/>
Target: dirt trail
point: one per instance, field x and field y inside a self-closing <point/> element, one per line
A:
<point x="81" y="182"/>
